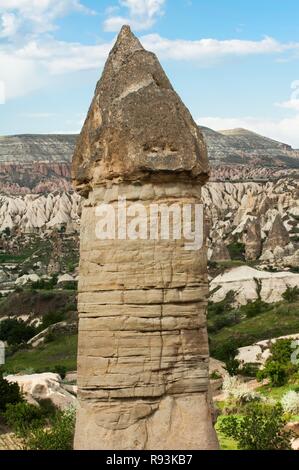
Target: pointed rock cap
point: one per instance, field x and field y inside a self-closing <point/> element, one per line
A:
<point x="137" y="128"/>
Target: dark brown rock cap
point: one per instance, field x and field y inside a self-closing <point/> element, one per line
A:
<point x="137" y="127"/>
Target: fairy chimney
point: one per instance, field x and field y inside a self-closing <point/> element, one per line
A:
<point x="143" y="355"/>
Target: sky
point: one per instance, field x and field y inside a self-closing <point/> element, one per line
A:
<point x="234" y="63"/>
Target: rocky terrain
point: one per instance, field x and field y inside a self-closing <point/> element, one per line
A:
<point x="35" y="163"/>
<point x="240" y="155"/>
<point x="41" y="163"/>
<point x="253" y="221"/>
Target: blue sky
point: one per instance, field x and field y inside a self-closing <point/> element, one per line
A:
<point x="234" y="63"/>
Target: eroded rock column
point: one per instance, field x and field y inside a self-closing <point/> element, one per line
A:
<point x="143" y="348"/>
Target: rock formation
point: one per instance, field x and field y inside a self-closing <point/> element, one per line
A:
<point x="253" y="240"/>
<point x="278" y="235"/>
<point x="220" y="252"/>
<point x="244" y="282"/>
<point x="143" y="353"/>
<point x="45" y="386"/>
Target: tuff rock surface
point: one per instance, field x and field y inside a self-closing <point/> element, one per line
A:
<point x="143" y="355"/>
<point x="244" y="282"/>
<point x="45" y="386"/>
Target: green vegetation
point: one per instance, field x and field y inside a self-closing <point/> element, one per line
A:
<point x="60" y="352"/>
<point x="279" y="319"/>
<point x="38" y="303"/>
<point x="291" y="294"/>
<point x="15" y="331"/>
<point x="41" y="427"/>
<point x="260" y="427"/>
<point x="58" y="436"/>
<point x="237" y="251"/>
<point x="277" y="393"/>
<point x="20" y="416"/>
<point x="9" y="393"/>
<point x="226" y="443"/>
<point x="51" y="318"/>
<point x="45" y="284"/>
<point x="279" y="368"/>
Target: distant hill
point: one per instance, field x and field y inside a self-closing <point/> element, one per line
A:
<point x="41" y="163"/>
<point x="243" y="147"/>
<point x="36" y="148"/>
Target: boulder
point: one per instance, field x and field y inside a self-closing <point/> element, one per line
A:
<point x="44" y="386"/>
<point x="65" y="278"/>
<point x="27" y="279"/>
<point x="243" y="281"/>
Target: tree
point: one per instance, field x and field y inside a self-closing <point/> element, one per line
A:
<point x="291" y="294"/>
<point x="15" y="331"/>
<point x="262" y="427"/>
<point x="9" y="393"/>
<point x="278" y="367"/>
<point x="275" y="372"/>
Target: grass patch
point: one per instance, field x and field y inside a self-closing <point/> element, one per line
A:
<point x="277" y="392"/>
<point x="61" y="351"/>
<point x="281" y="319"/>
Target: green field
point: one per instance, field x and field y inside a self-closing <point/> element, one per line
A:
<point x="281" y="319"/>
<point x="62" y="351"/>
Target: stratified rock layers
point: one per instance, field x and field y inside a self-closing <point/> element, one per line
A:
<point x="143" y="351"/>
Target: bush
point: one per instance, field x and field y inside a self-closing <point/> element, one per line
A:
<point x="275" y="372"/>
<point x="71" y="285"/>
<point x="222" y="307"/>
<point x="16" y="331"/>
<point x="48" y="408"/>
<point x="281" y="351"/>
<point x="227" y="353"/>
<point x="9" y="393"/>
<point x="254" y="308"/>
<point x="291" y="294"/>
<point x="232" y="366"/>
<point x="237" y="251"/>
<point x="20" y="416"/>
<point x="215" y="375"/>
<point x="248" y="370"/>
<point x="58" y="437"/>
<point x="230" y="319"/>
<point x="290" y="402"/>
<point x="47" y="284"/>
<point x="262" y="427"/>
<point x="278" y="367"/>
<point x="61" y="370"/>
<point x="50" y="319"/>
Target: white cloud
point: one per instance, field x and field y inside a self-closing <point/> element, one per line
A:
<point x="26" y="67"/>
<point x="284" y="130"/>
<point x="209" y="50"/>
<point x="290" y="104"/>
<point x="59" y="57"/>
<point x="40" y="15"/>
<point x="293" y="102"/>
<point x="20" y="76"/>
<point x="142" y="15"/>
<point x="8" y="25"/>
<point x="63" y="57"/>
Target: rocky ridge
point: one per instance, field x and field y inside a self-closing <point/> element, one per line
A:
<point x="35" y="163"/>
<point x="41" y="163"/>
